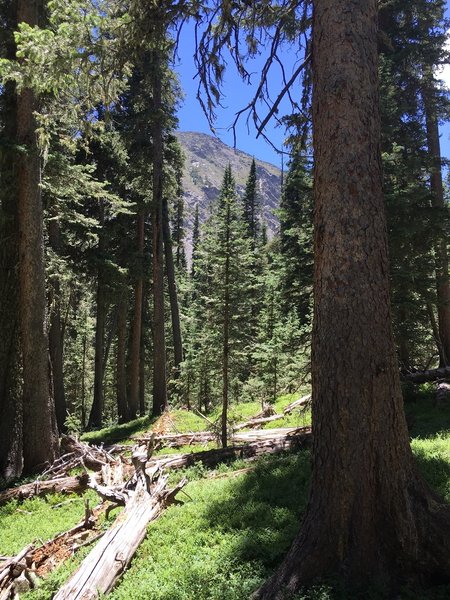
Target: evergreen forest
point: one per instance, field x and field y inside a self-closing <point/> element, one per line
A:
<point x="192" y="405"/>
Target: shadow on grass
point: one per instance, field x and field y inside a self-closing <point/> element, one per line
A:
<point x="265" y="508"/>
<point x="118" y="433"/>
<point x="424" y="417"/>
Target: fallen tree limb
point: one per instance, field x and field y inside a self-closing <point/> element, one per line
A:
<point x="425" y="376"/>
<point x="62" y="485"/>
<point x="100" y="570"/>
<point x="287" y="439"/>
<point x="301" y="402"/>
<point x="19" y="574"/>
<point x="258" y="421"/>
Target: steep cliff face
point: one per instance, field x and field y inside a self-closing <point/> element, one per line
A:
<point x="205" y="160"/>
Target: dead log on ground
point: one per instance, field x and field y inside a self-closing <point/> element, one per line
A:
<point x="258" y="421"/>
<point x="100" y="570"/>
<point x="289" y="439"/>
<point x="425" y="376"/>
<point x="300" y="403"/>
<point x="62" y="485"/>
<point x="176" y="440"/>
<point x="19" y="574"/>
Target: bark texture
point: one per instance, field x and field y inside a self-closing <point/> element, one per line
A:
<point x="135" y="342"/>
<point x="370" y="518"/>
<point x="173" y="295"/>
<point x="55" y="333"/>
<point x="10" y="363"/>
<point x="159" y="342"/>
<point x="40" y="442"/>
<point x="96" y="414"/>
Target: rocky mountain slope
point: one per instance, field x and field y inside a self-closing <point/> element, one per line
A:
<point x="205" y="160"/>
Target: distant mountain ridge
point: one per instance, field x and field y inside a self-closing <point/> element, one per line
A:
<point x="205" y="160"/>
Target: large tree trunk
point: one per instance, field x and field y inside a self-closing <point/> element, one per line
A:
<point x="135" y="345"/>
<point x="40" y="442"/>
<point x="159" y="343"/>
<point x="438" y="202"/>
<point x="121" y="375"/>
<point x="370" y="518"/>
<point x="55" y="331"/>
<point x="10" y="371"/>
<point x="172" y="286"/>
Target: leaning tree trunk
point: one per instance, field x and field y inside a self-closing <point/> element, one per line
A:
<point x="438" y="202"/>
<point x="10" y="371"/>
<point x="40" y="441"/>
<point x="159" y="343"/>
<point x="370" y="518"/>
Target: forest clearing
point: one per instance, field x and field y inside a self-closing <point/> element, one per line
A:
<point x="219" y="377"/>
<point x="231" y="524"/>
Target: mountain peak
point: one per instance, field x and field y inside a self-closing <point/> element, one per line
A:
<point x="206" y="157"/>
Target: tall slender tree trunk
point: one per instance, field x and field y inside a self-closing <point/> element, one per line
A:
<point x="40" y="442"/>
<point x="438" y="202"/>
<point x="121" y="353"/>
<point x="226" y="335"/>
<point x="172" y="286"/>
<point x="159" y="343"/>
<point x="142" y="411"/>
<point x="11" y="461"/>
<point x="135" y="345"/>
<point x="370" y="519"/>
<point x="96" y="414"/>
<point x="55" y="331"/>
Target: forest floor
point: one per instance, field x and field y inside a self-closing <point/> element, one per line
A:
<point x="234" y="523"/>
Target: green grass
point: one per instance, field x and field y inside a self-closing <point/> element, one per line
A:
<point x="36" y="519"/>
<point x="118" y="433"/>
<point x="233" y="531"/>
<point x="223" y="541"/>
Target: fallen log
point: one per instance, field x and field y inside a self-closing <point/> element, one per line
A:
<point x="100" y="570"/>
<point x="258" y="421"/>
<point x="289" y="439"/>
<point x="175" y="440"/>
<point x="62" y="485"/>
<point x="19" y="574"/>
<point x="92" y="457"/>
<point x="425" y="376"/>
<point x="301" y="402"/>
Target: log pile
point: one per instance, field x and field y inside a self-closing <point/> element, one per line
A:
<point x="269" y="441"/>
<point x="100" y="570"/>
<point x="20" y="573"/>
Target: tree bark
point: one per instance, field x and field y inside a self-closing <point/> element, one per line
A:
<point x="370" y="519"/>
<point x="40" y="442"/>
<point x="226" y="334"/>
<point x="55" y="331"/>
<point x="135" y="347"/>
<point x="173" y="296"/>
<point x="10" y="363"/>
<point x="121" y="374"/>
<point x="159" y="343"/>
<point x="438" y="202"/>
<point x="96" y="414"/>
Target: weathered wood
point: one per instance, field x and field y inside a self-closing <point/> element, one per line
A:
<point x="425" y="376"/>
<point x="63" y="485"/>
<point x="258" y="421"/>
<point x="268" y="443"/>
<point x="301" y="402"/>
<point x="100" y="570"/>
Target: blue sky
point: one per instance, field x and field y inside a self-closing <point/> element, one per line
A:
<point x="237" y="95"/>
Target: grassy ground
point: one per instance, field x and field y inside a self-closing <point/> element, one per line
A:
<point x="233" y="528"/>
